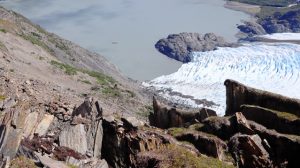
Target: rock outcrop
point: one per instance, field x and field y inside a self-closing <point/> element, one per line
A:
<point x="179" y="46"/>
<point x="238" y="94"/>
<point x="248" y="151"/>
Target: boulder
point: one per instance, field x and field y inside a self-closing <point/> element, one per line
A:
<point x="43" y="126"/>
<point x="74" y="137"/>
<point x="122" y="144"/>
<point x="226" y="127"/>
<point x="205" y="113"/>
<point x="252" y="28"/>
<point x="248" y="151"/>
<point x="179" y="46"/>
<point x="282" y="148"/>
<point x="207" y="144"/>
<point x="167" y="117"/>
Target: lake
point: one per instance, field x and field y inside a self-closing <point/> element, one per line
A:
<point x="125" y="31"/>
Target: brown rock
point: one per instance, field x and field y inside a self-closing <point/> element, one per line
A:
<point x="238" y="94"/>
<point x="167" y="117"/>
<point x="249" y="152"/>
<point x="207" y="144"/>
<point x="205" y="113"/>
<point x="280" y="121"/>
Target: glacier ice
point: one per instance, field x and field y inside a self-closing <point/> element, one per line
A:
<point x="273" y="67"/>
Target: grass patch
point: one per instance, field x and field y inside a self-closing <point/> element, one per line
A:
<point x="85" y="81"/>
<point x="100" y="77"/>
<point x="2" y="46"/>
<point x="69" y="70"/>
<point x="71" y="166"/>
<point x="176" y="156"/>
<point x="280" y="114"/>
<point x="3" y="30"/>
<point x="22" y="162"/>
<point x="35" y="39"/>
<point x="176" y="131"/>
<point x="111" y="92"/>
<point x="2" y="97"/>
<point x="268" y="11"/>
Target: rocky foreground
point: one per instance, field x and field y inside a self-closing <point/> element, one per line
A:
<point x="260" y="129"/>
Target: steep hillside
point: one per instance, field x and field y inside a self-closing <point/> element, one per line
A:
<point x="29" y="53"/>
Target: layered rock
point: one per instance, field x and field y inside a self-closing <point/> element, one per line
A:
<point x="180" y="46"/>
<point x="248" y="151"/>
<point x="280" y="121"/>
<point x="238" y="94"/>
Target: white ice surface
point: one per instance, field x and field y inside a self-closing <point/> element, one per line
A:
<point x="282" y="36"/>
<point x="271" y="67"/>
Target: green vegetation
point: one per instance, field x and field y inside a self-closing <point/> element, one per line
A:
<point x="2" y="97"/>
<point x="113" y="92"/>
<point x="69" y="70"/>
<point x="176" y="156"/>
<point x="109" y="85"/>
<point x="2" y="46"/>
<point x="145" y="111"/>
<point x="71" y="166"/>
<point x="100" y="77"/>
<point x="3" y="30"/>
<point x="177" y="131"/>
<point x="85" y="81"/>
<point x="274" y="3"/>
<point x="22" y="162"/>
<point x="35" y="38"/>
<point x="267" y="11"/>
<point x="280" y="114"/>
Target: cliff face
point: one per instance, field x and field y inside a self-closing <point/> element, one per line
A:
<point x="238" y="94"/>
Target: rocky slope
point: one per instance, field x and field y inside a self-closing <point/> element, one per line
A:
<point x="31" y="54"/>
<point x="61" y="108"/>
<point x="179" y="46"/>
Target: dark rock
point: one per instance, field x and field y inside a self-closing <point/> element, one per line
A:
<point x="226" y="127"/>
<point x="283" y="149"/>
<point x="167" y="117"/>
<point x="238" y="94"/>
<point x="179" y="46"/>
<point x="248" y="151"/>
<point x="123" y="144"/>
<point x="205" y="113"/>
<point x="207" y="144"/>
<point x="252" y="28"/>
<point x="280" y="121"/>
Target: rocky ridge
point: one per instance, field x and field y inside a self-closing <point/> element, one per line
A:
<point x="179" y="46"/>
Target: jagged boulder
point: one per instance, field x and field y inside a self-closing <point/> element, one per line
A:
<point x="207" y="144"/>
<point x="283" y="149"/>
<point x="248" y="151"/>
<point x="225" y="127"/>
<point x="179" y="46"/>
<point x="167" y="117"/>
<point x="123" y="142"/>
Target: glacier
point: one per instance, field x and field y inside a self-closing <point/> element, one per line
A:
<point x="273" y="67"/>
<point x="282" y="36"/>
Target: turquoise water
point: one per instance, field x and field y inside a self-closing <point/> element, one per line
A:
<point x="125" y="31"/>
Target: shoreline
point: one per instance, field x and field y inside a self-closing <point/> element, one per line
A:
<point x="251" y="10"/>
